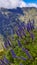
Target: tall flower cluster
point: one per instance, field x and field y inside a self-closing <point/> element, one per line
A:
<point x="21" y="33"/>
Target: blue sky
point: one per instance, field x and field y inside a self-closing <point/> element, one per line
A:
<point x="18" y="3"/>
<point x="30" y="1"/>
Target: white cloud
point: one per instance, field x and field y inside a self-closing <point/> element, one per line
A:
<point x="22" y="4"/>
<point x="9" y="3"/>
<point x="32" y="5"/>
<point x="15" y="3"/>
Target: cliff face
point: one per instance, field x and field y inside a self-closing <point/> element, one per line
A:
<point x="11" y="18"/>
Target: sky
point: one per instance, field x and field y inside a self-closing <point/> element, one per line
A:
<point x="17" y="3"/>
<point x="30" y="1"/>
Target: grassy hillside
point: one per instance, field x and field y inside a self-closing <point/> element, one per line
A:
<point x="29" y="14"/>
<point x="18" y="36"/>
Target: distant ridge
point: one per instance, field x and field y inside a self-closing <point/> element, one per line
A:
<point x="11" y="18"/>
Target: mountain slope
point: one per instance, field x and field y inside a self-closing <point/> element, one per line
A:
<point x="10" y="19"/>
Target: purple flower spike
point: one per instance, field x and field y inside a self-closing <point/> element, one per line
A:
<point x="32" y="25"/>
<point x="6" y="61"/>
<point x="17" y="32"/>
<point x="20" y="28"/>
<point x="13" y="54"/>
<point x="19" y="44"/>
<point x="28" y="26"/>
<point x="2" y="62"/>
<point x="23" y="25"/>
<point x="23" y="58"/>
<point x="8" y="42"/>
<point x="20" y="35"/>
<point x="5" y="45"/>
<point x="32" y="36"/>
<point x="27" y="53"/>
<point x="24" y="33"/>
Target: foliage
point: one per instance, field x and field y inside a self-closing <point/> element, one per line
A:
<point x="21" y="49"/>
